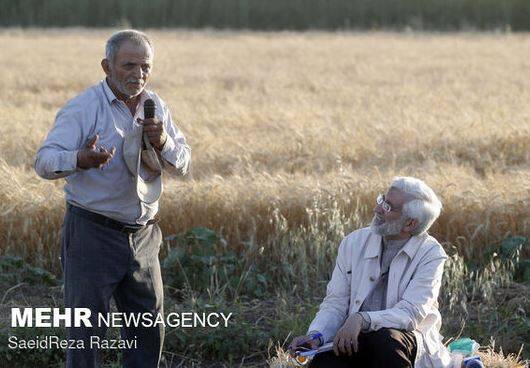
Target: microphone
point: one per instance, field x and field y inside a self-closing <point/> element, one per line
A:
<point x="149" y="113"/>
<point x="148" y="154"/>
<point x="149" y="109"/>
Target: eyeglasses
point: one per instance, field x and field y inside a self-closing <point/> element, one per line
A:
<point x="387" y="207"/>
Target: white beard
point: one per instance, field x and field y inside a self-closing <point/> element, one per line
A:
<point x="122" y="87"/>
<point x="388" y="228"/>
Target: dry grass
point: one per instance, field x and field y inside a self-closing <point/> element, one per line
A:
<point x="497" y="359"/>
<point x="277" y="119"/>
<point x="488" y="355"/>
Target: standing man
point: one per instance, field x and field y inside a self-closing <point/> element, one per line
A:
<point x="112" y="158"/>
<point x="381" y="306"/>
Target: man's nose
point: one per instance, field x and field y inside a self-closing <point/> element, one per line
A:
<point x="138" y="73"/>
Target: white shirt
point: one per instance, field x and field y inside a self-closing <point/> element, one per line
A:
<point x="110" y="191"/>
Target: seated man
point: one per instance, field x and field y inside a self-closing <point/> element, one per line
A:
<point x="381" y="304"/>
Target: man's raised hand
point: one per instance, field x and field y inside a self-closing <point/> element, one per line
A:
<point x="92" y="156"/>
<point x="154" y="128"/>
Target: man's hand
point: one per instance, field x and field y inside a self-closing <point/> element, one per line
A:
<point x="155" y="132"/>
<point x="94" y="156"/>
<point x="302" y="341"/>
<point x="347" y="337"/>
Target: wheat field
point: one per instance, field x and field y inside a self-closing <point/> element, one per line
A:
<point x="281" y="121"/>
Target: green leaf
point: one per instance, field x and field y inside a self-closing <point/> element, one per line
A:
<point x="203" y="235"/>
<point x="512" y="244"/>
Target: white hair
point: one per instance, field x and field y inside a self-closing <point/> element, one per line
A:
<point x="117" y="39"/>
<point x="425" y="205"/>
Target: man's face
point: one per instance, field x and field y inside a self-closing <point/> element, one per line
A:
<point x="130" y="69"/>
<point x="392" y="222"/>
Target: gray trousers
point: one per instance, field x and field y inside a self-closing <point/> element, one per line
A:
<point x="99" y="263"/>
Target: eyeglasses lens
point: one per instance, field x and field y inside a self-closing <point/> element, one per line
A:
<point x="381" y="201"/>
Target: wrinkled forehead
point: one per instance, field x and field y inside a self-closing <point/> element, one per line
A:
<point x="396" y="197"/>
<point x="134" y="51"/>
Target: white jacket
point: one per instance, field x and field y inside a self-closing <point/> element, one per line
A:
<point x="414" y="281"/>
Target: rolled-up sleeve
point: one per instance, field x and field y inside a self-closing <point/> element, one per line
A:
<point x="176" y="154"/>
<point x="334" y="308"/>
<point x="57" y="157"/>
<point x="418" y="298"/>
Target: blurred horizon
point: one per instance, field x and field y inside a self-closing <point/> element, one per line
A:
<point x="422" y="15"/>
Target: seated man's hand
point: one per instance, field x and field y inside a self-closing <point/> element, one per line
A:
<point x="302" y="341"/>
<point x="347" y="337"/>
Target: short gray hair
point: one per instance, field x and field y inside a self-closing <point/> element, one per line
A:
<point x="425" y="205"/>
<point x="117" y="39"/>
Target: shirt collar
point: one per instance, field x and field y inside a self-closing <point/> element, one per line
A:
<point x="396" y="243"/>
<point x="111" y="97"/>
<point x="108" y="92"/>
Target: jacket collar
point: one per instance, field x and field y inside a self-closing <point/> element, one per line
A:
<point x="410" y="248"/>
<point x="414" y="243"/>
<point x="373" y="248"/>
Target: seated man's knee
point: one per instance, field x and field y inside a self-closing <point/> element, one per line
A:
<point x="328" y="360"/>
<point x="382" y="339"/>
<point x="389" y="347"/>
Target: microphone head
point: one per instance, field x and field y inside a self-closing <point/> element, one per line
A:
<point x="149" y="109"/>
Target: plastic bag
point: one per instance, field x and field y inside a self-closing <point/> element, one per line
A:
<point x="465" y="346"/>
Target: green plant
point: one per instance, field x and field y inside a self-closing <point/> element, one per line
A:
<point x="200" y="260"/>
<point x="13" y="270"/>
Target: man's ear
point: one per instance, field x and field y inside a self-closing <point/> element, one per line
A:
<point x="106" y="66"/>
<point x="410" y="226"/>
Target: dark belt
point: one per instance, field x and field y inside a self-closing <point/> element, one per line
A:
<point x="108" y="222"/>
